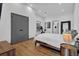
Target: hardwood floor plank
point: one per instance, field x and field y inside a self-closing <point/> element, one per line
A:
<point x="27" y="48"/>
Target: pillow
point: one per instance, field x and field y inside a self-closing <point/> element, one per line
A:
<point x="74" y="33"/>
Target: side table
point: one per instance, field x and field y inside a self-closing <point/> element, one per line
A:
<point x="68" y="50"/>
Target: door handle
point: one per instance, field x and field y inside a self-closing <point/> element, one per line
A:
<point x="21" y="30"/>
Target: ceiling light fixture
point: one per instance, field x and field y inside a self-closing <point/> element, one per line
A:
<point x="29" y="8"/>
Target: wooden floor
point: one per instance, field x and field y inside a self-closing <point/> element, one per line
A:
<point x="27" y="48"/>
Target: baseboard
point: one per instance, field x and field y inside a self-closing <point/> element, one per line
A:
<point x="31" y="38"/>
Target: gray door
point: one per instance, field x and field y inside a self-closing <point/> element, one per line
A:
<point x="19" y="28"/>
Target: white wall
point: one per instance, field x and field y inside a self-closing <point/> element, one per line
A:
<point x="66" y="17"/>
<point x="76" y="17"/>
<point x="5" y="22"/>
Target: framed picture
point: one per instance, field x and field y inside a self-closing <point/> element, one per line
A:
<point x="48" y="25"/>
<point x="55" y="27"/>
<point x="38" y="24"/>
<point x="39" y="27"/>
<point x="65" y="26"/>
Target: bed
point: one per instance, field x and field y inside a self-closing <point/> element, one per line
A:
<point x="52" y="40"/>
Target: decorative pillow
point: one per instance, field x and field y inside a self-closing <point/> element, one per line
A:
<point x="74" y="33"/>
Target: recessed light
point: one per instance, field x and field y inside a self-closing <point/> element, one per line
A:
<point x="29" y="8"/>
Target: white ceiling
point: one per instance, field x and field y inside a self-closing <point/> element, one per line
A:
<point x="53" y="9"/>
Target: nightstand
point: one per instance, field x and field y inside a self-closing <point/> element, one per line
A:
<point x="68" y="50"/>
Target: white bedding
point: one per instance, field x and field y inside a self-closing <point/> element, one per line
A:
<point x="51" y="39"/>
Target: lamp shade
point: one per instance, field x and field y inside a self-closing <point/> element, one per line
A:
<point x="67" y="37"/>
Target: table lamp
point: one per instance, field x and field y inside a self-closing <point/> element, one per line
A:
<point x="67" y="38"/>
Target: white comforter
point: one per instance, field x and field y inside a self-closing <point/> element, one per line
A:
<point x="52" y="39"/>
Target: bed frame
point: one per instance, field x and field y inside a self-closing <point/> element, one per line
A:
<point x="46" y="45"/>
